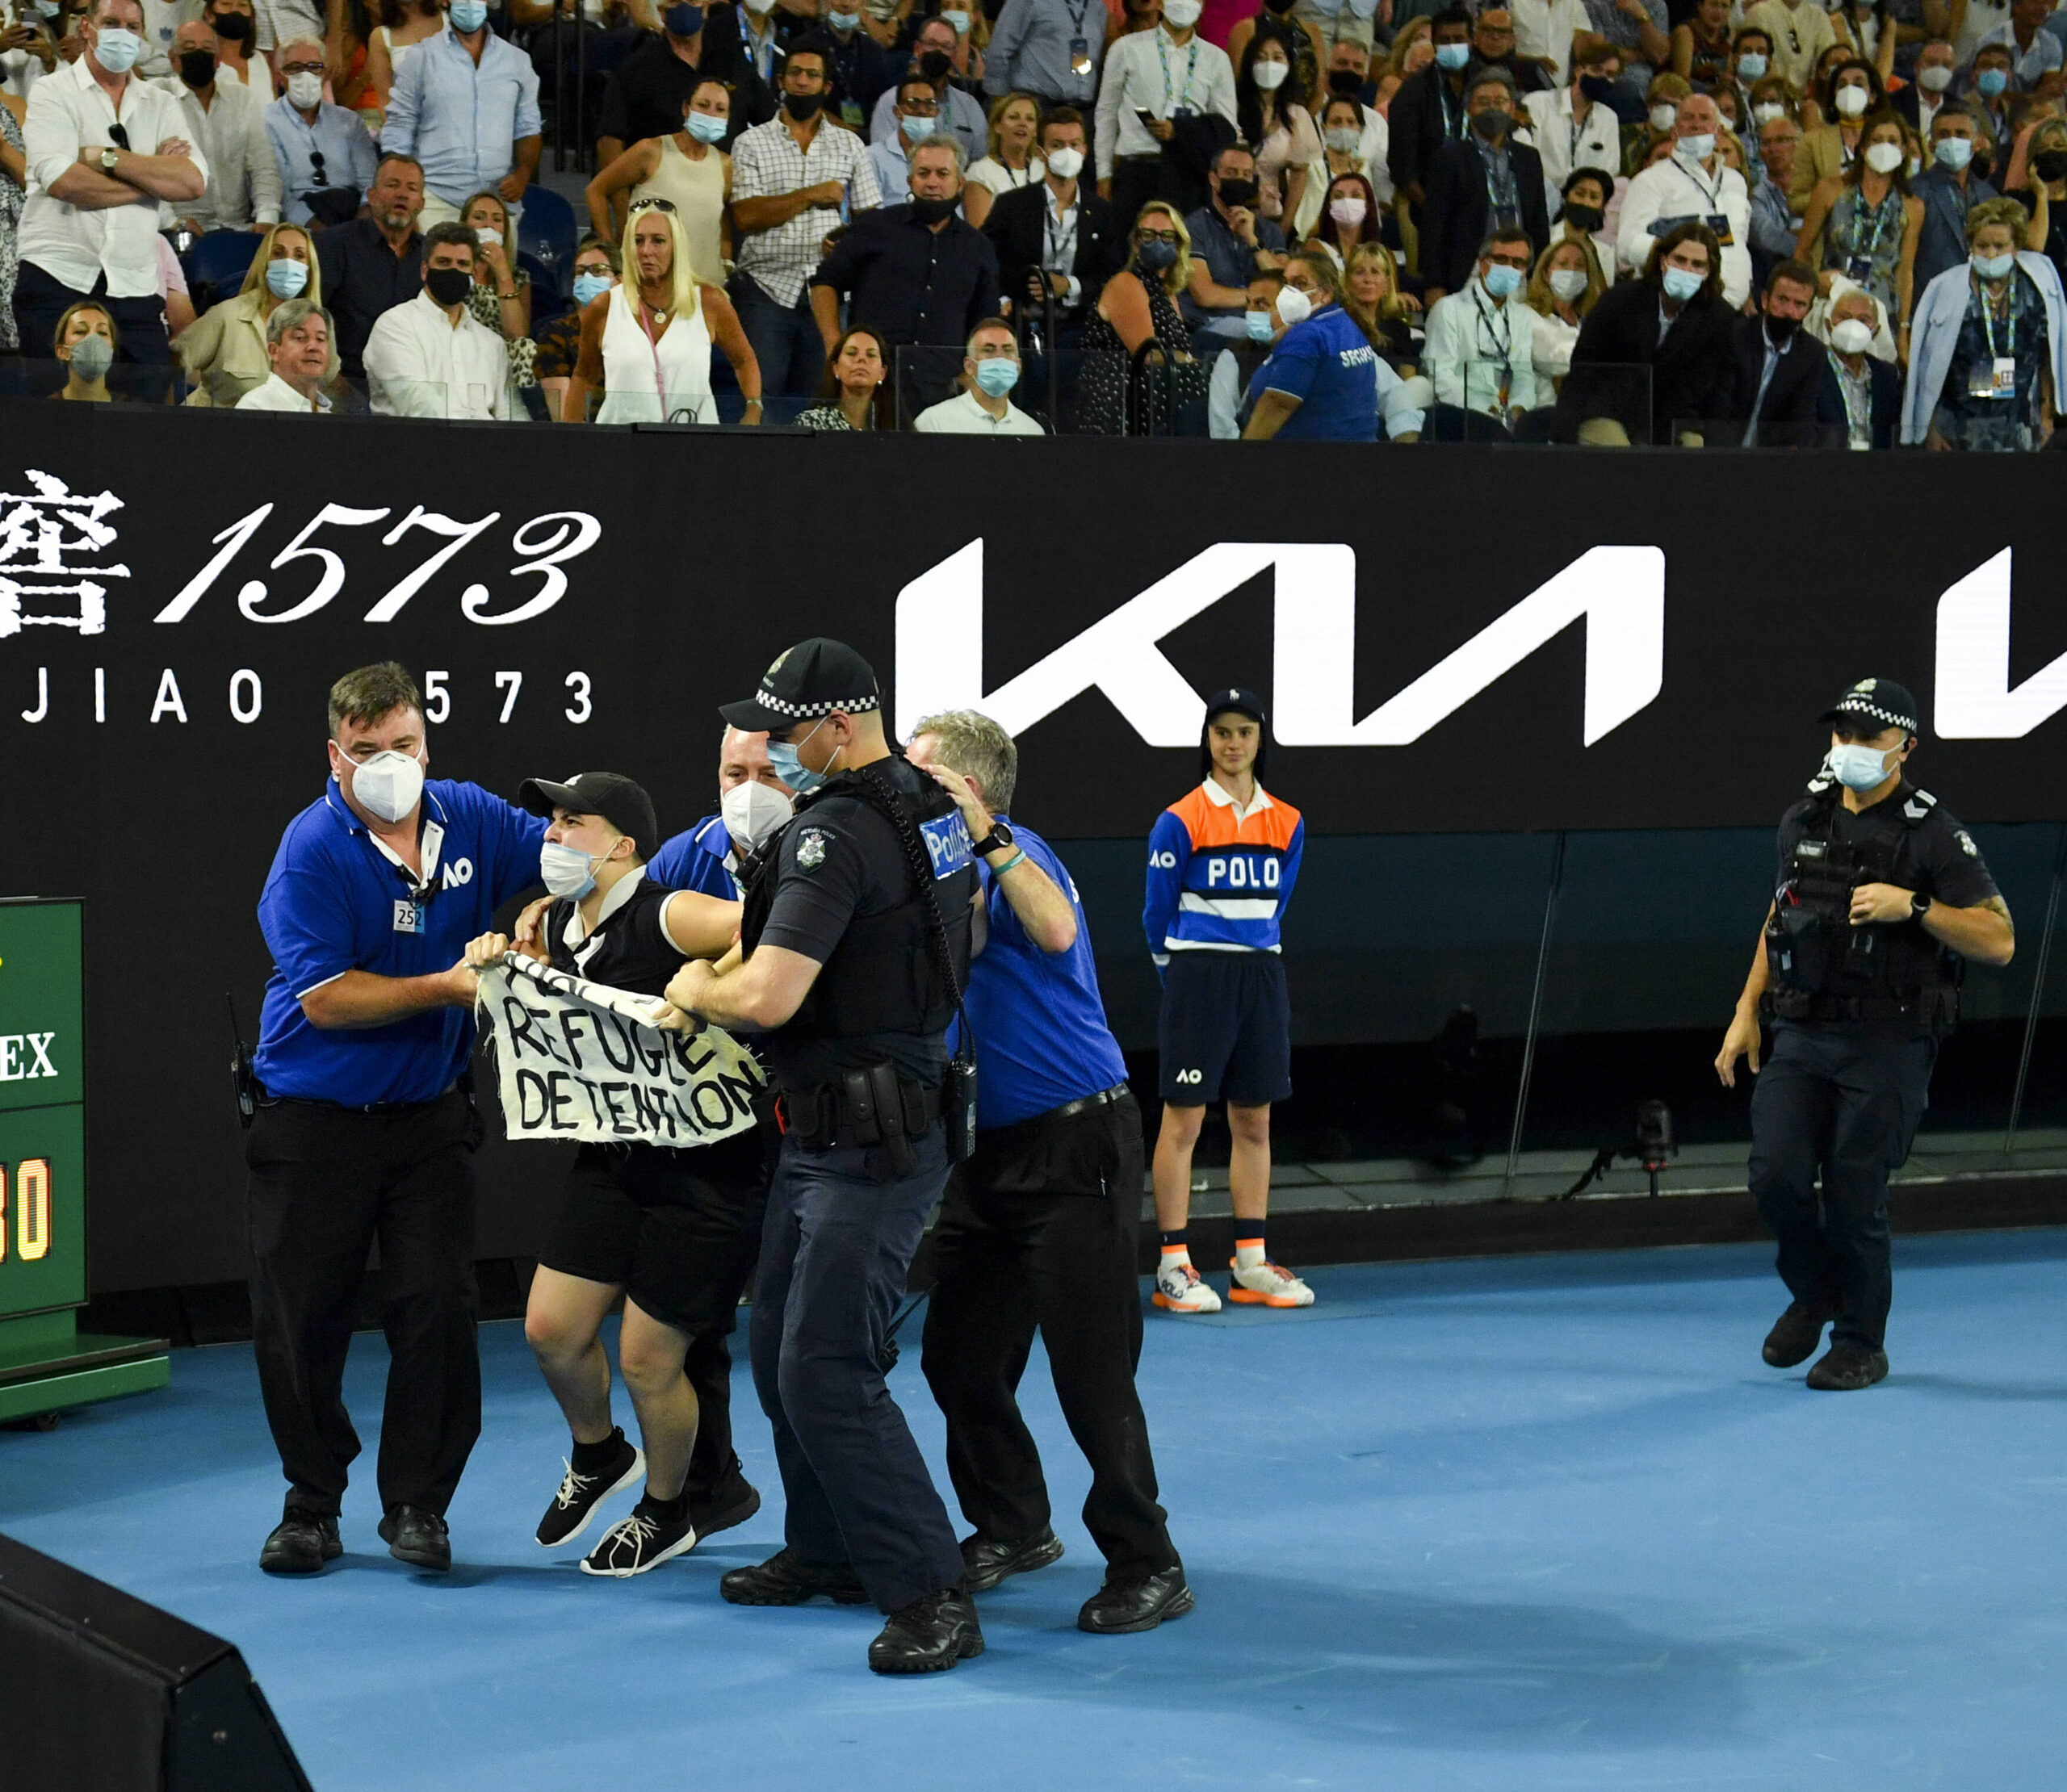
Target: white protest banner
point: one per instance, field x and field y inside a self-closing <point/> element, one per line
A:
<point x="581" y="1060"/>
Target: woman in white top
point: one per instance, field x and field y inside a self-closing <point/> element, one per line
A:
<point x="647" y="343"/>
<point x="1561" y="290"/>
<point x="1342" y="136"/>
<point x="1015" y="123"/>
<point x="1271" y="113"/>
<point x="689" y="170"/>
<point x="404" y="24"/>
<point x="236" y="27"/>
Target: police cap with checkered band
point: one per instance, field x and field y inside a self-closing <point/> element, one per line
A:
<point x="807" y="683"/>
<point x="1874" y="705"/>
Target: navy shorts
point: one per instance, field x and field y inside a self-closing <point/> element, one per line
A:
<point x="1225" y="1034"/>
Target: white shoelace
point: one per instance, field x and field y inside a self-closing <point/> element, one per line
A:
<point x="637" y="1531"/>
<point x="572" y="1485"/>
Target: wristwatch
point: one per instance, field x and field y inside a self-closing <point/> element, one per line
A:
<point x="1918" y="907"/>
<point x="999" y="840"/>
<point x="108" y="159"/>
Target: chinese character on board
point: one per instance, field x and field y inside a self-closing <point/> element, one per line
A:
<point x="45" y="539"/>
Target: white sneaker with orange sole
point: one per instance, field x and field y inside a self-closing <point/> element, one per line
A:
<point x="1267" y="1285"/>
<point x="1180" y="1288"/>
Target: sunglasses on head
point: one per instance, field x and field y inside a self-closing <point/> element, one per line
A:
<point x="667" y="206"/>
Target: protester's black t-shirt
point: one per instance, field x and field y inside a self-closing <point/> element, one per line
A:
<point x="628" y="949"/>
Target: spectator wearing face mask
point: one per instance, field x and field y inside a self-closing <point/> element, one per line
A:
<point x="2035" y="51"/>
<point x="1581" y="219"/>
<point x="1428" y="111"/>
<point x="2037" y="180"/>
<point x="1859" y="393"/>
<point x="236" y="25"/>
<point x="1988" y="355"/>
<point x="431" y="356"/>
<point x="1230" y="240"/>
<point x="961" y="113"/>
<point x="1324" y="382"/>
<point x="1348" y="147"/>
<point x="856" y="392"/>
<point x="917" y="113"/>
<point x="1573" y="126"/>
<point x="1920" y="100"/>
<point x="466" y="105"/>
<point x="225" y="352"/>
<point x="326" y="161"/>
<point x="1849" y="94"/>
<point x="649" y="91"/>
<point x="687" y="169"/>
<point x="1493" y="44"/>
<point x="1481" y="352"/>
<point x="1561" y="292"/>
<point x="1229" y="398"/>
<point x="1166" y="109"/>
<point x="301" y="362"/>
<point x="1989" y="83"/>
<point x="86" y="343"/>
<point x="1801" y="32"/>
<point x="225" y="121"/>
<point x="1692" y="183"/>
<point x="1672" y="323"/>
<point x="1864" y="224"/>
<point x="1485" y="182"/>
<point x="1349" y="218"/>
<point x="1058" y="230"/>
<point x="1779" y="373"/>
<point x="1640" y="29"/>
<point x="1701" y="51"/>
<point x="560" y="343"/>
<point x="1272" y="115"/>
<point x="1139" y="304"/>
<point x="990" y="370"/>
<point x="1950" y="188"/>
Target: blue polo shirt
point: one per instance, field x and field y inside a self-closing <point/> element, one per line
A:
<point x="1325" y="363"/>
<point x="1040" y="1024"/>
<point x="334" y="903"/>
<point x="696" y="860"/>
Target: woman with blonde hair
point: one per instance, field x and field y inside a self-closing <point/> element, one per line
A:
<point x="1561" y="289"/>
<point x="1139" y="304"/>
<point x="501" y="298"/>
<point x="1012" y="163"/>
<point x="1412" y="51"/>
<point x="1371" y="295"/>
<point x="224" y="350"/>
<point x="646" y="343"/>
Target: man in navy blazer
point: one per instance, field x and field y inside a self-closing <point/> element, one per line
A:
<point x="1859" y="391"/>
<point x="1459" y="212"/>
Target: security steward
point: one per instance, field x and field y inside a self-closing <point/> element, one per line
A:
<point x="641" y="1220"/>
<point x="1041" y="1228"/>
<point x="856" y="937"/>
<point x="364" y="1127"/>
<point x="1881" y="893"/>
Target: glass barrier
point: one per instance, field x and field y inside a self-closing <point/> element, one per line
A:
<point x="1735" y="433"/>
<point x="430" y="397"/>
<point x="678" y="405"/>
<point x="1605" y="404"/>
<point x="125" y="383"/>
<point x="926" y="375"/>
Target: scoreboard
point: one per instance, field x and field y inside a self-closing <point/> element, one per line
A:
<point x="45" y="1363"/>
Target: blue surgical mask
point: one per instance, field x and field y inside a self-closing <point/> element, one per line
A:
<point x="285" y="278"/>
<point x="844" y="21"/>
<point x="1993" y="267"/>
<point x="919" y="129"/>
<point x="1857" y="767"/>
<point x="116" y="50"/>
<point x="1453" y="57"/>
<point x="1751" y="66"/>
<point x="1502" y="280"/>
<point x="706" y="127"/>
<point x="566" y="870"/>
<point x="785" y="761"/>
<point x="997" y="375"/>
<point x="1952" y="152"/>
<point x="1682" y="283"/>
<point x="588" y="287"/>
<point x="959" y="19"/>
<point x="1259" y="325"/>
<point x="469" y="15"/>
<point x="1991" y="81"/>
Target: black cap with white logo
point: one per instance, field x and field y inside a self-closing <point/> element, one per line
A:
<point x="624" y="805"/>
<point x="1881" y="703"/>
<point x="1232" y="700"/>
<point x="808" y="682"/>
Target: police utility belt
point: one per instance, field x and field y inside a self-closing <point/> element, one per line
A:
<point x="874" y="1106"/>
<point x="1935" y="1008"/>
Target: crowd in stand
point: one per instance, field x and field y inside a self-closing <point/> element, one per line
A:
<point x="1594" y="221"/>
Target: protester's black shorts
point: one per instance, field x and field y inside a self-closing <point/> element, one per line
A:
<point x="678" y="1231"/>
<point x="1225" y="1033"/>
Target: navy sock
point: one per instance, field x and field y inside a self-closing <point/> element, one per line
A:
<point x="593" y="1459"/>
<point x="1178" y="1240"/>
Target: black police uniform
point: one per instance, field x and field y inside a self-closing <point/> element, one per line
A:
<point x="677" y="1230"/>
<point x="1856" y="1014"/>
<point x="864" y="1156"/>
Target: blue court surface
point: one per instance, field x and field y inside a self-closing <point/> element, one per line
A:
<point x="1531" y="1523"/>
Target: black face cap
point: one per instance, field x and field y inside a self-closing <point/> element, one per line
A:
<point x="807" y="682"/>
<point x="1873" y="705"/>
<point x="624" y="805"/>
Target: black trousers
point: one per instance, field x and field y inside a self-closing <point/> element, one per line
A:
<point x="41" y="300"/>
<point x="1039" y="1231"/>
<point x="838" y="1241"/>
<point x="325" y="1183"/>
<point x="1844" y="1099"/>
<point x="1136" y="180"/>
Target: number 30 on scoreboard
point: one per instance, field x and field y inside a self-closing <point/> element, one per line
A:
<point x="30" y="1192"/>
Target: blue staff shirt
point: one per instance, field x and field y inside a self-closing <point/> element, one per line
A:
<point x="1325" y="363"/>
<point x="700" y="860"/>
<point x="1040" y="1023"/>
<point x="334" y="903"/>
<point x="462" y="122"/>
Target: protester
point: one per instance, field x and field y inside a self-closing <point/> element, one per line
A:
<point x="226" y="351"/>
<point x="429" y="356"/>
<point x="855" y="393"/>
<point x="687" y="169"/>
<point x="375" y="262"/>
<point x="990" y="370"/>
<point x="465" y="106"/>
<point x="301" y="362"/>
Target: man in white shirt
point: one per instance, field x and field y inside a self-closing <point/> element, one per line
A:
<point x="1171" y="74"/>
<point x="989" y="369"/>
<point x="429" y="357"/>
<point x="223" y="119"/>
<point x="1800" y="31"/>
<point x="1571" y="130"/>
<point x="1545" y="29"/>
<point x="298" y="345"/>
<point x="1694" y="182"/>
<point x="1481" y="347"/>
<point x="103" y="149"/>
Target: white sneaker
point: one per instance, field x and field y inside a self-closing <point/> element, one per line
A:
<point x="1180" y="1288"/>
<point x="1266" y="1285"/>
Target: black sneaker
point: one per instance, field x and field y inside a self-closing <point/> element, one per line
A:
<point x="1120" y="1608"/>
<point x="1846" y="1368"/>
<point x="636" y="1543"/>
<point x="1795" y="1335"/>
<point x="418" y="1538"/>
<point x="928" y="1635"/>
<point x="990" y="1559"/>
<point x="301" y="1542"/>
<point x="732" y="1502"/>
<point x="787" y="1579"/>
<point x="580" y="1497"/>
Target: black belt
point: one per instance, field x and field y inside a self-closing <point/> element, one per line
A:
<point x="267" y="1100"/>
<point x="1055" y="1117"/>
<point x="1156" y="157"/>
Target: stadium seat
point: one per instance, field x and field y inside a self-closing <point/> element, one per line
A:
<point x="548" y="300"/>
<point x="547" y="233"/>
<point x="221" y="258"/>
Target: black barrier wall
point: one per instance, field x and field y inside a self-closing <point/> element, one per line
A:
<point x="1453" y="641"/>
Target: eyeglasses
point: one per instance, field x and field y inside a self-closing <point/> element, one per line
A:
<point x="1169" y="237"/>
<point x="667" y="206"/>
<point x="301" y="68"/>
<point x="118" y="136"/>
<point x="316" y="168"/>
<point x="921" y="108"/>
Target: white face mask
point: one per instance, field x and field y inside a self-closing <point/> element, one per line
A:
<point x="1851" y="102"/>
<point x="1766" y="111"/>
<point x="1934" y="79"/>
<point x="1270" y="76"/>
<point x="1066" y="165"/>
<point x="1663" y="115"/>
<point x="1293" y="306"/>
<point x="1884" y="158"/>
<point x="305" y="90"/>
<point x="389" y="784"/>
<point x="1852" y="336"/>
<point x="1182" y="13"/>
<point x="566" y="870"/>
<point x="1567" y="283"/>
<point x="752" y="812"/>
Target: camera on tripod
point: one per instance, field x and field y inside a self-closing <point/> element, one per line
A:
<point x="1654" y="1147"/>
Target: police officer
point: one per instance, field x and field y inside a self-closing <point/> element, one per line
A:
<point x="1881" y="893"/>
<point x="638" y="1220"/>
<point x="363" y="1126"/>
<point x="1040" y="1227"/>
<point x="856" y="937"/>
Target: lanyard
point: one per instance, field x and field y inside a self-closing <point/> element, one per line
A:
<point x="1859" y="410"/>
<point x="1503" y="195"/>
<point x="1061" y="257"/>
<point x="1503" y="346"/>
<point x="2008" y="318"/>
<point x="1162" y="54"/>
<point x="1452" y="121"/>
<point x="1692" y="171"/>
<point x="1862" y="256"/>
